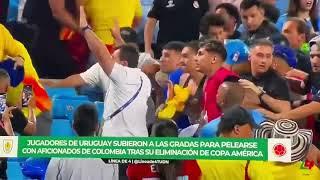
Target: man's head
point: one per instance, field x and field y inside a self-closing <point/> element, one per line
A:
<point x="315" y="54"/>
<point x="252" y="14"/>
<point x="4" y="81"/>
<point x="164" y="128"/>
<point x="236" y="122"/>
<point x="86" y="120"/>
<point x="127" y="55"/>
<point x="231" y="15"/>
<point x="296" y="31"/>
<point x="171" y="55"/>
<point x="261" y="56"/>
<point x="213" y="26"/>
<point x="230" y="94"/>
<point x="210" y="57"/>
<point x="189" y="53"/>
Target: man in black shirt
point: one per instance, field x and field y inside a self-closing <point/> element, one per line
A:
<point x="178" y="21"/>
<point x="312" y="108"/>
<point x="254" y="21"/>
<point x="271" y="90"/>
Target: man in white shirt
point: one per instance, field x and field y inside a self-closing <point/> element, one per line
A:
<point x="120" y="84"/>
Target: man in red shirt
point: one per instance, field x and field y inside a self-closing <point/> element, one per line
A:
<point x="210" y="58"/>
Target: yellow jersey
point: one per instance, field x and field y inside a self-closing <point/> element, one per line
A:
<point x="233" y="170"/>
<point x="293" y="171"/>
<point x="101" y="15"/>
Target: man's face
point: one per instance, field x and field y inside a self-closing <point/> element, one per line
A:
<point x="252" y="18"/>
<point x="306" y="5"/>
<point x="315" y="58"/>
<point x="4" y="85"/>
<point x="217" y="33"/>
<point x="188" y="60"/>
<point x="204" y="61"/>
<point x="244" y="131"/>
<point x="290" y="31"/>
<point x="261" y="59"/>
<point x="230" y="21"/>
<point x="169" y="60"/>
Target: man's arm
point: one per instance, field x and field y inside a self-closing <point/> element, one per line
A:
<point x="276" y="105"/>
<point x="71" y="81"/>
<point x="61" y="14"/>
<point x="148" y="34"/>
<point x="96" y="46"/>
<point x="302" y="111"/>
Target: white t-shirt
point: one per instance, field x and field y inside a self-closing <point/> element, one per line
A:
<point x="80" y="169"/>
<point x="120" y="87"/>
<point x="95" y="76"/>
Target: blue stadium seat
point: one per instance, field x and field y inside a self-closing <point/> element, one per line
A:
<point x="61" y="91"/>
<point x="100" y="108"/>
<point x="14" y="170"/>
<point x="64" y="108"/>
<point x="61" y="127"/>
<point x="77" y="97"/>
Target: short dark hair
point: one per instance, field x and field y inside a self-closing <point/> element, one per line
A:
<point x="232" y="10"/>
<point x="261" y="42"/>
<point x="210" y="20"/>
<point x="271" y="12"/>
<point x="215" y="46"/>
<point x="236" y="115"/>
<point x="85" y="120"/>
<point x="194" y="45"/>
<point x="129" y="35"/>
<point x="18" y="121"/>
<point x="129" y="52"/>
<point x="247" y="4"/>
<point x="302" y="27"/>
<point x="164" y="128"/>
<point x="174" y="45"/>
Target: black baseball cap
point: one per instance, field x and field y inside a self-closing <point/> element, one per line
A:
<point x="236" y="115"/>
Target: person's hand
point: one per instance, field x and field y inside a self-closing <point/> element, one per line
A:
<point x="7" y="114"/>
<point x="19" y="62"/>
<point x="32" y="102"/>
<point x="115" y="31"/>
<point x="83" y="18"/>
<point x="270" y="115"/>
<point x="149" y="51"/>
<point x="295" y="73"/>
<point x="249" y="85"/>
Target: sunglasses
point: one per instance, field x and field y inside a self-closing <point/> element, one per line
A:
<point x="314" y="55"/>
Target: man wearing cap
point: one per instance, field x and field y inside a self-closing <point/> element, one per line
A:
<point x="263" y="82"/>
<point x="313" y="108"/>
<point x="236" y="122"/>
<point x="297" y="167"/>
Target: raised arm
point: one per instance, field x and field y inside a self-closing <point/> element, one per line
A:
<point x="95" y="45"/>
<point x="61" y="14"/>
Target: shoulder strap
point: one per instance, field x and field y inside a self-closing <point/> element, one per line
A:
<point x="187" y="82"/>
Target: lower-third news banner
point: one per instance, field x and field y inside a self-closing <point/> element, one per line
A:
<point x="153" y="150"/>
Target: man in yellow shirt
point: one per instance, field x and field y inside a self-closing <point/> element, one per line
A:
<point x="299" y="168"/>
<point x="101" y="15"/>
<point x="10" y="47"/>
<point x="235" y="123"/>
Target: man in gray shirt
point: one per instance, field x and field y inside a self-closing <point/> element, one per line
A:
<point x="85" y="124"/>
